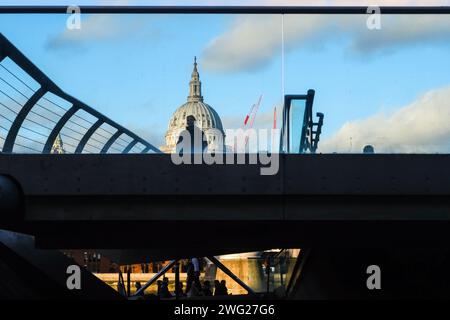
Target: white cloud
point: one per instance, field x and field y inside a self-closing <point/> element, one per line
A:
<point x="420" y="127"/>
<point x="93" y="28"/>
<point x="253" y="41"/>
<point x="403" y="31"/>
<point x="250" y="42"/>
<point x="98" y="27"/>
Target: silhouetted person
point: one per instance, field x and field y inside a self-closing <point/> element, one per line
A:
<point x="158" y="284"/>
<point x="197" y="138"/>
<point x="121" y="288"/>
<point x="217" y="288"/>
<point x="180" y="289"/>
<point x="368" y="149"/>
<point x="164" y="292"/>
<point x="220" y="288"/>
<point x="194" y="291"/>
<point x="224" y="289"/>
<point x="207" y="288"/>
<point x="193" y="274"/>
<point x="139" y="286"/>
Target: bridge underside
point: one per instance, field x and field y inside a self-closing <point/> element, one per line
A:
<point x="338" y="205"/>
<point x="150" y="203"/>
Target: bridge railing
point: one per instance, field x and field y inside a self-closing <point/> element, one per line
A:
<point x="35" y="112"/>
<point x="299" y="132"/>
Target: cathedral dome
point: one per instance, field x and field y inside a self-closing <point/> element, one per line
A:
<point x="207" y="119"/>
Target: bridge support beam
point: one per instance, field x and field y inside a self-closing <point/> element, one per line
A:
<point x="11" y="202"/>
<point x="130" y="146"/>
<point x="88" y="135"/>
<point x="156" y="277"/>
<point x="20" y="118"/>
<point x="111" y="141"/>
<point x="230" y="274"/>
<point x="57" y="129"/>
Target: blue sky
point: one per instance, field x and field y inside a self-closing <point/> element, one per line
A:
<point x="136" y="69"/>
<point x="140" y="75"/>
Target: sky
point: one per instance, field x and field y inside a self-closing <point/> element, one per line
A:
<point x="387" y="87"/>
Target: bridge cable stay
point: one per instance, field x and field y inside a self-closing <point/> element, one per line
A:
<point x="40" y="124"/>
<point x="52" y="112"/>
<point x="57" y="105"/>
<point x="40" y="120"/>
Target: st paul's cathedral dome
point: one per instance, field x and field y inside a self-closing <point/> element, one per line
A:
<point x="207" y="119"/>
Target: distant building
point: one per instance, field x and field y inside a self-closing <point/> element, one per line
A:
<point x="58" y="146"/>
<point x="207" y="119"/>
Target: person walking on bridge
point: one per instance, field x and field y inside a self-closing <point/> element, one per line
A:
<point x="197" y="140"/>
<point x="193" y="274"/>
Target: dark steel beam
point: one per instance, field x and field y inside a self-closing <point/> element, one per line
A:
<point x="314" y="198"/>
<point x="57" y="129"/>
<point x="306" y="120"/>
<point x="130" y="146"/>
<point x="350" y="175"/>
<point x="297" y="271"/>
<point x="254" y="234"/>
<point x="9" y="50"/>
<point x="18" y="121"/>
<point x="156" y="277"/>
<point x="146" y="149"/>
<point x="88" y="135"/>
<point x="305" y="144"/>
<point x="112" y="123"/>
<point x="23" y="62"/>
<point x="228" y="272"/>
<point x="111" y="140"/>
<point x="229" y="9"/>
<point x="53" y="265"/>
<point x="12" y="202"/>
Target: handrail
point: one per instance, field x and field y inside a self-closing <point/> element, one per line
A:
<point x="309" y="137"/>
<point x="229" y="9"/>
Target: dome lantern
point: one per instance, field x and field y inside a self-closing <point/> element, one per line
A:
<point x="195" y="86"/>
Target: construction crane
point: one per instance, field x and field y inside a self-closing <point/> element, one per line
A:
<point x="252" y="114"/>
<point x="250" y="118"/>
<point x="274" y="117"/>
